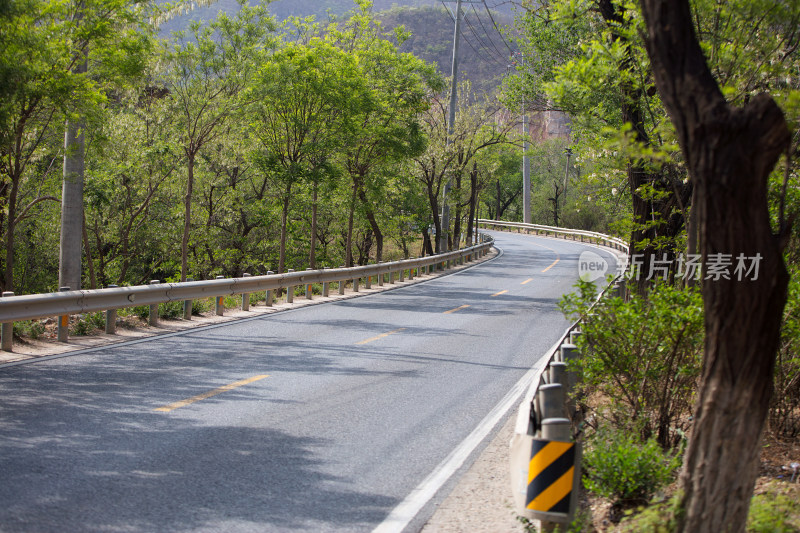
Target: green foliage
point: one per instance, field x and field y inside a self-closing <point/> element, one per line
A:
<point x="784" y="413"/>
<point x="32" y="329"/>
<point x="619" y="467"/>
<point x="659" y="517"/>
<point x="642" y="355"/>
<point x="775" y="510"/>
<point x="87" y="324"/>
<point x="170" y="310"/>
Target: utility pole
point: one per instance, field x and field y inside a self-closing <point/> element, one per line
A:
<point x="526" y="163"/>
<point x="443" y="238"/>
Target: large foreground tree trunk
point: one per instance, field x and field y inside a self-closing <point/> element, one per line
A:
<point x="730" y="153"/>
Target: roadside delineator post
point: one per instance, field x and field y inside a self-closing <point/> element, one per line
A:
<point x="219" y="302"/>
<point x="63" y="322"/>
<point x="309" y="290"/>
<point x="545" y="472"/>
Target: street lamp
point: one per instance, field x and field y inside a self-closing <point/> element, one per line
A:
<point x="568" y="153"/>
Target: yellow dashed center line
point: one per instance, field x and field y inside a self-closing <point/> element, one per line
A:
<point x="456" y="309"/>
<point x="526" y="281"/>
<point x="551" y="266"/>
<point x="382" y="335"/>
<point x="209" y="394"/>
<point x="499" y="293"/>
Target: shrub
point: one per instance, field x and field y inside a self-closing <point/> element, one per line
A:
<point x="171" y="309"/>
<point x="777" y="510"/>
<point x="619" y="467"/>
<point x="86" y="324"/>
<point x="784" y="412"/>
<point x="33" y="329"/>
<point x="642" y="355"/>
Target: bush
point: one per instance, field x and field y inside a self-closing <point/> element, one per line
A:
<point x="33" y="329"/>
<point x="776" y="510"/>
<point x="617" y="466"/>
<point x="784" y="412"/>
<point x="643" y="356"/>
<point x="170" y="309"/>
<point x="88" y="323"/>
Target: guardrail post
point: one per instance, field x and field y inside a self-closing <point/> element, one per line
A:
<point x="558" y="374"/>
<point x="569" y="356"/>
<point x="290" y="290"/>
<point x="368" y="282"/>
<point x="391" y="277"/>
<point x="111" y="317"/>
<point x="551" y="400"/>
<point x="269" y="294"/>
<point x="152" y="316"/>
<point x="187" y="306"/>
<point x="219" y="302"/>
<point x="309" y="290"/>
<point x="63" y="322"/>
<point x="411" y="272"/>
<point x="245" y="296"/>
<point x="326" y="288"/>
<point x="356" y="282"/>
<point x="558" y="430"/>
<point x="7" y="334"/>
<point x="342" y="284"/>
<point x="401" y="276"/>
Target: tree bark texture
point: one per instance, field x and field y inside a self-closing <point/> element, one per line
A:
<point x="730" y="153"/>
<point x="70" y="248"/>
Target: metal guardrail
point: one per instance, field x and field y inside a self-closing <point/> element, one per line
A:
<point x="576" y="234"/>
<point x="547" y="412"/>
<point x="61" y="304"/>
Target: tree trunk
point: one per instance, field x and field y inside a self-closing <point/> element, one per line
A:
<point x="8" y="282"/>
<point x="312" y="256"/>
<point x="655" y="219"/>
<point x="69" y="264"/>
<point x="373" y="222"/>
<point x="284" y="224"/>
<point x="69" y="271"/>
<point x="730" y="153"/>
<point x="187" y="215"/>
<point x="349" y="246"/>
<point x="455" y="241"/>
<point x="473" y="197"/>
<point x="427" y="246"/>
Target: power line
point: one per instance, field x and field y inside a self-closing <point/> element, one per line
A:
<point x="495" y="26"/>
<point x="461" y="32"/>
<point x="486" y="32"/>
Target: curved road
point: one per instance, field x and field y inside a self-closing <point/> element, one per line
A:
<point x="323" y="418"/>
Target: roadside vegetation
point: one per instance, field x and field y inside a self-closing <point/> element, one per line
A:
<point x="662" y="366"/>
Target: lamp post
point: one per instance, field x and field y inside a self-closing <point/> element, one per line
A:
<point x="568" y="153"/>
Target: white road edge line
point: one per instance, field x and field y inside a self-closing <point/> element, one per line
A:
<point x="401" y="515"/>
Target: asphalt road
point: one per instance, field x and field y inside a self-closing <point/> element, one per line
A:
<point x="322" y="418"/>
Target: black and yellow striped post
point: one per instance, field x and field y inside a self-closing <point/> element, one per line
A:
<point x="545" y="471"/>
<point x="551" y="477"/>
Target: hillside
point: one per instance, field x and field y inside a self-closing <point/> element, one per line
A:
<point x="484" y="55"/>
